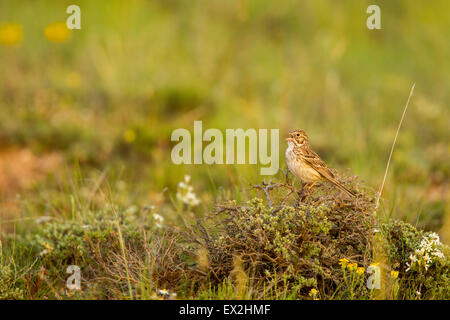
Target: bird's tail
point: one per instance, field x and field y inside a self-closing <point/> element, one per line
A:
<point x="341" y="187"/>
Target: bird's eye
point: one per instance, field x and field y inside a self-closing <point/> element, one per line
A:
<point x="298" y="134"/>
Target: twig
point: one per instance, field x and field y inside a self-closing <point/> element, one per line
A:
<point x="266" y="187"/>
<point x="377" y="203"/>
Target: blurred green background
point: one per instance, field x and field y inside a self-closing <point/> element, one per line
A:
<point x="101" y="102"/>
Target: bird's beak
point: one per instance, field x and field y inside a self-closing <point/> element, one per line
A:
<point x="291" y="136"/>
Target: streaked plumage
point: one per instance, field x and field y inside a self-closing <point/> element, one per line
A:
<point x="305" y="164"/>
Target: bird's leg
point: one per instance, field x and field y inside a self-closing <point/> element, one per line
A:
<point x="312" y="185"/>
<point x="304" y="191"/>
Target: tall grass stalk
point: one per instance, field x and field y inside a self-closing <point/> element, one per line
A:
<point x="392" y="149"/>
<point x="379" y="241"/>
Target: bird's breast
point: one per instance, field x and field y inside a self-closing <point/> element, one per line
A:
<point x="299" y="168"/>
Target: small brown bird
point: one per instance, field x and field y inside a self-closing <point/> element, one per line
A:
<point x="305" y="164"/>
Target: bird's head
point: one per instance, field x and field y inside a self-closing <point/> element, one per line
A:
<point x="297" y="138"/>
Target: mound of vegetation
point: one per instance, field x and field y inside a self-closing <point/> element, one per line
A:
<point x="286" y="244"/>
<point x="118" y="252"/>
<point x="293" y="241"/>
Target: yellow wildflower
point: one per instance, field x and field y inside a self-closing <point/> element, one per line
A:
<point x="352" y="266"/>
<point x="313" y="294"/>
<point x="129" y="136"/>
<point x="11" y="34"/>
<point x="57" y="32"/>
<point x="360" y="270"/>
<point x="394" y="274"/>
<point x="343" y="262"/>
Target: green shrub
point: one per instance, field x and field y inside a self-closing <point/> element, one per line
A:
<point x="9" y="284"/>
<point x="280" y="241"/>
<point x="427" y="278"/>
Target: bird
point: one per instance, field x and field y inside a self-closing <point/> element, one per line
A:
<point x="306" y="165"/>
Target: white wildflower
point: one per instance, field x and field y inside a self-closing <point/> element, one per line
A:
<point x="435" y="237"/>
<point x="427" y="252"/>
<point x="158" y="220"/>
<point x="164" y="292"/>
<point x="185" y="192"/>
<point x="409" y="267"/>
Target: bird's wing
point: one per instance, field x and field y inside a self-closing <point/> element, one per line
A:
<point x="317" y="164"/>
<point x="313" y="159"/>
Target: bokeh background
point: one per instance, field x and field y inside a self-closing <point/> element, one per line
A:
<point x="96" y="106"/>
